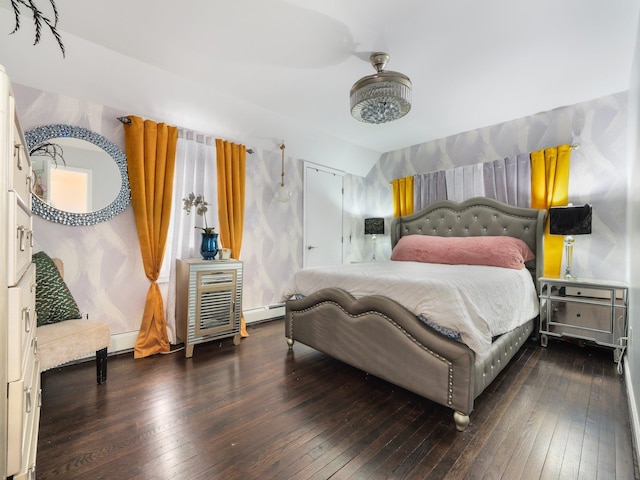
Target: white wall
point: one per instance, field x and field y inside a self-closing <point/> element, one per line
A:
<point x="633" y="239"/>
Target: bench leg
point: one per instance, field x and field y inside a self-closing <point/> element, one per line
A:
<point x="101" y="365"/>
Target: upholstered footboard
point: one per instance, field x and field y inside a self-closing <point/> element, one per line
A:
<point x="384" y="339"/>
<point x="380" y="337"/>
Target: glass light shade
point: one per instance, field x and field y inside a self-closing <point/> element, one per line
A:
<point x="381" y="98"/>
<point x="282" y="193"/>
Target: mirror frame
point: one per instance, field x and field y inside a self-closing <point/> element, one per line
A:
<point x="48" y="132"/>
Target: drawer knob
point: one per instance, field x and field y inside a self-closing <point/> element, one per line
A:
<point x="26" y="317"/>
<point x="28" y="399"/>
<point x="21" y="238"/>
<point x="17" y="156"/>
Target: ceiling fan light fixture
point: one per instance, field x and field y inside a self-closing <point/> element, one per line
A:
<point x="382" y="97"/>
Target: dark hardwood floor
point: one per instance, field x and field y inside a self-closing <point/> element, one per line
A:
<point x="256" y="411"/>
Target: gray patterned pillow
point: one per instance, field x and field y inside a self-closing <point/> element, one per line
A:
<point x="54" y="302"/>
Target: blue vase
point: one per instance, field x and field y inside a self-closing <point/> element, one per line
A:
<point x="209" y="246"/>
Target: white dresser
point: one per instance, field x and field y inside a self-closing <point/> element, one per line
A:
<point x="208" y="301"/>
<point x="20" y="370"/>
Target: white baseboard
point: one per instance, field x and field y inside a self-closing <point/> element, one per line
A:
<point x="123" y="341"/>
<point x="633" y="410"/>
<point x="127" y="340"/>
<point x="263" y="314"/>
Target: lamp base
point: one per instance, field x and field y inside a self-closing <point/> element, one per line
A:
<point x="373" y="241"/>
<point x="568" y="252"/>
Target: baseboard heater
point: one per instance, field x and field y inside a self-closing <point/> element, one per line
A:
<point x="121" y="342"/>
<point x="263" y="314"/>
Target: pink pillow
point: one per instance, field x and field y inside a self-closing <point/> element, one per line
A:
<point x="507" y="252"/>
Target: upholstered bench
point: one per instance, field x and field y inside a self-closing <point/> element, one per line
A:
<point x="61" y="339"/>
<point x="69" y="340"/>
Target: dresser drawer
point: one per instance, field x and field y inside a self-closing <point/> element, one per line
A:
<point x="28" y="475"/>
<point x="21" y="324"/>
<point x="33" y="396"/>
<point x="20" y="175"/>
<point x="23" y="407"/>
<point x="20" y="240"/>
<point x="15" y="425"/>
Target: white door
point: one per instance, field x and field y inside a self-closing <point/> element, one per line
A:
<point x="322" y="219"/>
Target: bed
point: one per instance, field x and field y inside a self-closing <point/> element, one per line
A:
<point x="384" y="338"/>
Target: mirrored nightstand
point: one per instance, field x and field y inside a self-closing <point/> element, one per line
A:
<point x="591" y="310"/>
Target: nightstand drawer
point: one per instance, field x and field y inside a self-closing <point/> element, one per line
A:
<point x="593" y="322"/>
<point x="595" y="293"/>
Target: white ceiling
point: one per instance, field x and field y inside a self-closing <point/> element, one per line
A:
<point x="263" y="71"/>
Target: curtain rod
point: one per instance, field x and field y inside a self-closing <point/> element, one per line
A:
<point x="127" y="121"/>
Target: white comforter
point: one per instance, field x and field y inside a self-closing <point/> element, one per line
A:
<point x="479" y="302"/>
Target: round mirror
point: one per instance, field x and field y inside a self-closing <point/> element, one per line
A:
<point x="80" y="177"/>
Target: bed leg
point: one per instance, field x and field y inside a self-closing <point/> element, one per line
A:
<point x="461" y="420"/>
<point x="290" y="342"/>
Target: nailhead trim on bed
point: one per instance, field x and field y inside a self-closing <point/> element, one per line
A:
<point x="413" y="339"/>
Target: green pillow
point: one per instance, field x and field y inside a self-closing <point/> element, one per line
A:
<point x="54" y="302"/>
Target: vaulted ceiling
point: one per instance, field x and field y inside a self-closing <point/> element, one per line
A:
<point x="263" y="71"/>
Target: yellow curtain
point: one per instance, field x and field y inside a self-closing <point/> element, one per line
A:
<point x="151" y="157"/>
<point x="402" y="196"/>
<point x="231" y="160"/>
<point x="549" y="188"/>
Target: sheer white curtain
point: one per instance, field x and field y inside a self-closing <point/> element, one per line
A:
<point x="506" y="179"/>
<point x="195" y="173"/>
<point x="465" y="182"/>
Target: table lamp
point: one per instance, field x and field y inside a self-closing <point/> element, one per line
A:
<point x="374" y="226"/>
<point x="569" y="221"/>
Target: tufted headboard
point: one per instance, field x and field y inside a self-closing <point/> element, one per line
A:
<point x="477" y="217"/>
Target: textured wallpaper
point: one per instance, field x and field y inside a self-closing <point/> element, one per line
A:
<point x="597" y="176"/>
<point x="103" y="265"/>
<point x="103" y="262"/>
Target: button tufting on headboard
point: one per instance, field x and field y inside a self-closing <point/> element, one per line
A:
<point x="476" y="217"/>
